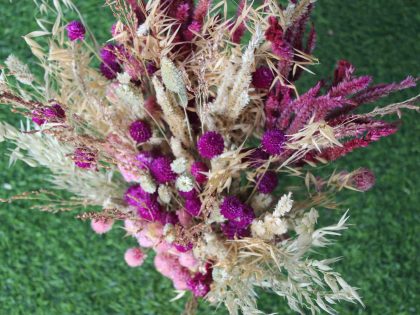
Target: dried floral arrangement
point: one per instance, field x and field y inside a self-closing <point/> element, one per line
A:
<point x="184" y="132"/>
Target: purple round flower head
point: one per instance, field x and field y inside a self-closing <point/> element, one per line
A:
<point x="183" y="248"/>
<point x="38" y="117"/>
<point x="364" y="179"/>
<point x="75" y="30"/>
<point x="135" y="195"/>
<point x="188" y="194"/>
<point x="232" y="208"/>
<point x="140" y="131"/>
<point x="169" y="217"/>
<point x="273" y="141"/>
<point x="108" y="53"/>
<point x="238" y="214"/>
<point x="193" y="206"/>
<point x="268" y="182"/>
<point x="151" y="68"/>
<point x="161" y="170"/>
<point x="258" y="157"/>
<point x="110" y="70"/>
<point x="200" y="284"/>
<point x="84" y="158"/>
<point x="150" y="210"/>
<point x="262" y="78"/>
<point x="197" y="170"/>
<point x="54" y="113"/>
<point x="145" y="158"/>
<point x="232" y="231"/>
<point x="210" y="144"/>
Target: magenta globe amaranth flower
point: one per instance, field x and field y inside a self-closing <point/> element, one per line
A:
<point x="267" y="182"/>
<point x="84" y="158"/>
<point x="262" y="78"/>
<point x="197" y="170"/>
<point x="110" y="71"/>
<point x="273" y="141"/>
<point x="257" y="157"/>
<point x="210" y="144"/>
<point x="238" y="213"/>
<point x="135" y="195"/>
<point x="161" y="170"/>
<point x="200" y="284"/>
<point x="52" y="114"/>
<point x="75" y="31"/>
<point x="193" y="206"/>
<point x="108" y="53"/>
<point x="140" y="131"/>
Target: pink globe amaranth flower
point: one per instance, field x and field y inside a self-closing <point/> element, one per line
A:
<point x="210" y="144"/>
<point x="197" y="170"/>
<point x="268" y="182"/>
<point x="166" y="264"/>
<point x="144" y="240"/>
<point x="110" y="70"/>
<point x="161" y="170"/>
<point x="132" y="227"/>
<point x="200" y="284"/>
<point x="75" y="31"/>
<point x="193" y="206"/>
<point x="180" y="280"/>
<point x="184" y="218"/>
<point x="84" y="158"/>
<point x="134" y="257"/>
<point x="101" y="226"/>
<point x="258" y="157"/>
<point x="273" y="141"/>
<point x="140" y="131"/>
<point x="262" y="78"/>
<point x="364" y="179"/>
<point x="188" y="260"/>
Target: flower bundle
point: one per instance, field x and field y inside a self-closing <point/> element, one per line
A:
<point x="186" y="125"/>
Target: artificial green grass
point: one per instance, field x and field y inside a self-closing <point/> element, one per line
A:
<point x="54" y="264"/>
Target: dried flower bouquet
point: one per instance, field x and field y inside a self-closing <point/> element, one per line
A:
<point x="186" y="131"/>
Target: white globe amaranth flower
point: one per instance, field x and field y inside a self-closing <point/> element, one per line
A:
<point x="179" y="165"/>
<point x="164" y="194"/>
<point x="184" y="183"/>
<point x="147" y="183"/>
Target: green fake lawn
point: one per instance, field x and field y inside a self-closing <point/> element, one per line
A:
<point x="54" y="264"/>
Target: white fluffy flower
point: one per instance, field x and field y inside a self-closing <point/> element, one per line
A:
<point x="123" y="78"/>
<point x="169" y="233"/>
<point x="179" y="166"/>
<point x="147" y="183"/>
<point x="164" y="194"/>
<point x="261" y="202"/>
<point x="284" y="205"/>
<point x="184" y="183"/>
